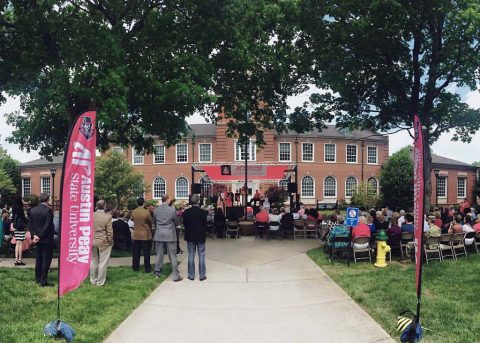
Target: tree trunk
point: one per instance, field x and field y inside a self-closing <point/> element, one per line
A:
<point x="427" y="171"/>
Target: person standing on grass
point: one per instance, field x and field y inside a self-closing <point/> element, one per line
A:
<point x="142" y="236"/>
<point x="195" y="222"/>
<point x="164" y="219"/>
<point x="102" y="244"/>
<point x="20" y="229"/>
<point x="42" y="229"/>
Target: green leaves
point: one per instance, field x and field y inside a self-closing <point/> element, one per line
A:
<point x="116" y="180"/>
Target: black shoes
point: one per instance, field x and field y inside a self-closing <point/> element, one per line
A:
<point x="48" y="284"/>
<point x="203" y="278"/>
<point x="191" y="278"/>
<point x="178" y="279"/>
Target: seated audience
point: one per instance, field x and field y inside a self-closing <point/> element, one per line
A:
<point x="339" y="230"/>
<point x="274" y="221"/>
<point x="408" y="226"/>
<point x="371" y="225"/>
<point x="467" y="227"/>
<point x="262" y="216"/>
<point x="394" y="232"/>
<point x="362" y="229"/>
<point x="476" y="227"/>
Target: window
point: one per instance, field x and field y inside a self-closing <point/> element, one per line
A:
<point x="462" y="187"/>
<point x="330" y="187"/>
<point x="26" y="187"/>
<point x="207" y="187"/>
<point x="442" y="186"/>
<point x="45" y="185"/>
<point x="308" y="187"/>
<point x="307" y="152"/>
<point x="351" y="185"/>
<point x="205" y="152"/>
<point x="182" y="153"/>
<point x="240" y="151"/>
<point x="158" y="154"/>
<point x="351" y="153"/>
<point x="372" y="186"/>
<point x="329" y="155"/>
<point x="372" y="155"/>
<point x="159" y="187"/>
<point x="137" y="157"/>
<point x="181" y="188"/>
<point x="284" y="152"/>
<point x="118" y="149"/>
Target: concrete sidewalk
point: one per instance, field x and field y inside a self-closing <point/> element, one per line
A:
<point x="256" y="291"/>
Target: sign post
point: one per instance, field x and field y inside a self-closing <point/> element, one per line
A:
<point x="352" y="216"/>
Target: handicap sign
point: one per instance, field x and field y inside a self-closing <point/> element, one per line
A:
<point x="352" y="216"/>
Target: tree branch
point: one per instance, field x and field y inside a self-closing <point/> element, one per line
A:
<point x="5" y="23"/>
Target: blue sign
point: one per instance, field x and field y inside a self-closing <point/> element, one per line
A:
<point x="352" y="216"/>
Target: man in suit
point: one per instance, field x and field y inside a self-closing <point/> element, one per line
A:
<point x="142" y="236"/>
<point x="102" y="244"/>
<point x="42" y="230"/>
<point x="164" y="218"/>
<point x="195" y="222"/>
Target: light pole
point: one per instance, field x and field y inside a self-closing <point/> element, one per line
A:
<point x="53" y="171"/>
<point x="436" y="172"/>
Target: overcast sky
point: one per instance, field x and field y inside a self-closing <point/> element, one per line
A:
<point x="443" y="147"/>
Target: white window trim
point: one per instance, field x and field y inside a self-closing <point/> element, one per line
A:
<point x="356" y="153"/>
<point x="465" y="195"/>
<point x="176" y="153"/>
<point x="153" y="186"/>
<point x="336" y="188"/>
<point x="164" y="154"/>
<point x="376" y="154"/>
<point x="446" y="187"/>
<point x="41" y="184"/>
<point x="313" y="152"/>
<point x="349" y="196"/>
<point x="133" y="158"/>
<point x="376" y="180"/>
<point x="250" y="144"/>
<point x="188" y="188"/>
<point x="301" y="189"/>
<point x="325" y="150"/>
<point x="23" y="186"/>
<point x="289" y="151"/>
<point x="211" y="152"/>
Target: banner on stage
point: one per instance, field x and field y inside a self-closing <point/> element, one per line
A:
<point x="76" y="215"/>
<point x="253" y="170"/>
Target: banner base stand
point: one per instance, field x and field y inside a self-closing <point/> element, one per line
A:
<point x="59" y="329"/>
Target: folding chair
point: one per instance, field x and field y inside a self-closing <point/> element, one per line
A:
<point x="458" y="243"/>
<point x="232" y="228"/>
<point x="260" y="229"/>
<point x="406" y="238"/>
<point x="431" y="245"/>
<point x="299" y="226"/>
<point x="469" y="240"/>
<point x="324" y="230"/>
<point x="361" y="245"/>
<point x="345" y="249"/>
<point x="311" y="228"/>
<point x="477" y="241"/>
<point x="446" y="245"/>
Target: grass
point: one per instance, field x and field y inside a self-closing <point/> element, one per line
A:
<point x="450" y="297"/>
<point x="94" y="312"/>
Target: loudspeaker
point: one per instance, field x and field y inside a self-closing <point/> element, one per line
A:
<point x="196" y="188"/>
<point x="292" y="187"/>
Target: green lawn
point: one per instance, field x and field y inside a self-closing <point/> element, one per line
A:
<point x="93" y="311"/>
<point x="451" y="292"/>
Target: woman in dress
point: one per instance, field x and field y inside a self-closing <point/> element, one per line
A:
<point x="19" y="226"/>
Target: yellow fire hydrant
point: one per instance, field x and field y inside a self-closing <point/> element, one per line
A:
<point x="382" y="249"/>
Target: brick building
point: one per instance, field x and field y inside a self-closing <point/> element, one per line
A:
<point x="330" y="164"/>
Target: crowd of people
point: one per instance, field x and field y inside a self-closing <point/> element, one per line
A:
<point x="159" y="226"/>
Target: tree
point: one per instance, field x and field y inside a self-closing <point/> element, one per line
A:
<point x="10" y="176"/>
<point x="365" y="196"/>
<point x="138" y="63"/>
<point x="396" y="180"/>
<point x="116" y="180"/>
<point x="144" y="63"/>
<point x="7" y="189"/>
<point x="381" y="62"/>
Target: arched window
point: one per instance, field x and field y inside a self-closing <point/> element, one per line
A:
<point x="372" y="185"/>
<point x="351" y="185"/>
<point x="181" y="188"/>
<point x="308" y="187"/>
<point x="330" y="187"/>
<point x="159" y="187"/>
